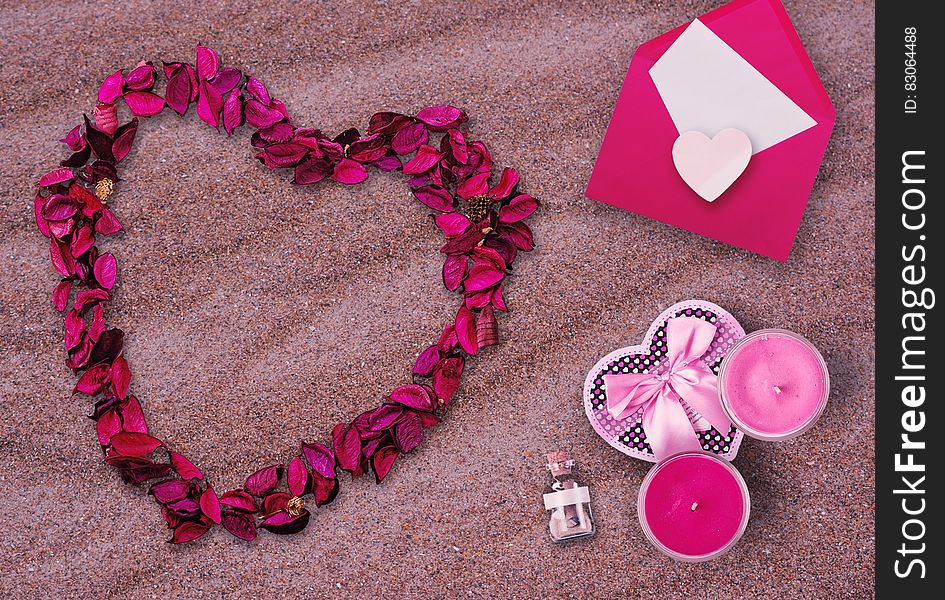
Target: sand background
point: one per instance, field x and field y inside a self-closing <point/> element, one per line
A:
<point x="258" y="314"/>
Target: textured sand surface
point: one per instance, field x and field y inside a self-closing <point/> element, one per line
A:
<point x="258" y="314"/>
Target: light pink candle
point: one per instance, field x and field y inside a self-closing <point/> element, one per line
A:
<point x="693" y="506"/>
<point x="773" y="384"/>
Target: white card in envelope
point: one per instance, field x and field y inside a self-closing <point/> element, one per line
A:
<point x="707" y="86"/>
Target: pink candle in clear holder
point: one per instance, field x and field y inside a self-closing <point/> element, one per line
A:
<point x="693" y="506"/>
<point x="773" y="384"/>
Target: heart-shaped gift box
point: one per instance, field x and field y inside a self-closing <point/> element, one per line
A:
<point x="651" y="357"/>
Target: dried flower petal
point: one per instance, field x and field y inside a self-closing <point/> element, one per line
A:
<point x="454" y="271"/>
<point x="171" y="490"/>
<point x="446" y="377"/>
<point x="517" y="209"/>
<point x="258" y="91"/>
<point x="189" y="471"/>
<point x="60" y="207"/>
<point x="346" y="443"/>
<point x="179" y="90"/>
<point x="239" y="500"/>
<point x="388" y="123"/>
<point x="241" y="525"/>
<point x="424" y="364"/>
<point x="210" y="505"/>
<point x="107" y="426"/>
<point x="487" y="328"/>
<point x="74" y="139"/>
<point x="324" y="489"/>
<point x="409" y="432"/>
<point x="382" y="461"/>
<point x="141" y="77"/>
<point x="60" y="295"/>
<point x="121" y="377"/>
<point x="349" y="172"/>
<point x="233" y="111"/>
<point x="320" y="458"/>
<point x="135" y="444"/>
<point x="506" y="185"/>
<point x="284" y="523"/>
<point x="144" y="104"/>
<point x="106" y="269"/>
<point x="56" y="176"/>
<point x="441" y="118"/>
<point x="112" y="87"/>
<point x="409" y="139"/>
<point x="452" y="224"/>
<point x="466" y="330"/>
<point x="188" y="531"/>
<point x="423" y="161"/>
<point x="209" y="104"/>
<point x="208" y="63"/>
<point x="413" y="396"/>
<point x="94" y="380"/>
<point x="264" y="480"/>
<point x="106" y="118"/>
<point x="226" y="79"/>
<point x="124" y="137"/>
<point x="435" y="196"/>
<point x="297" y="477"/>
<point x="474" y="186"/>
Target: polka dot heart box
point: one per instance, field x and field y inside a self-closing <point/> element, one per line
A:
<point x="656" y="375"/>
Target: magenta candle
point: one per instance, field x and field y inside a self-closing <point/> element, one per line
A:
<point x="693" y="506"/>
<point x="773" y="384"/>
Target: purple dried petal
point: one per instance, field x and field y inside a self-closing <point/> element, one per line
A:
<point x="239" y="500"/>
<point x="517" y="209"/>
<point x="260" y="116"/>
<point x="388" y="123"/>
<point x="285" y="524"/>
<point x="185" y="508"/>
<point x="452" y="224"/>
<point x="409" y="432"/>
<point x="498" y="301"/>
<point x="209" y="104"/>
<point x="60" y="295"/>
<point x="241" y="525"/>
<point x="233" y="111"/>
<point x="454" y="271"/>
<point x="441" y="118"/>
<point x="106" y="269"/>
<point x="226" y="79"/>
<point x="346" y="442"/>
<point x="274" y="503"/>
<point x="423" y="161"/>
<point x="59" y="207"/>
<point x="188" y="531"/>
<point x="382" y="461"/>
<point x="487" y="328"/>
<point x="124" y="137"/>
<point x="474" y="186"/>
<point x="324" y="489"/>
<point x="264" y="480"/>
<point x="121" y="377"/>
<point x="320" y="458"/>
<point x="297" y="477"/>
<point x="107" y="224"/>
<point x="210" y="505"/>
<point x="279" y="156"/>
<point x="144" y="104"/>
<point x="518" y="234"/>
<point x="135" y="444"/>
<point x="312" y="170"/>
<point x="55" y="176"/>
<point x="170" y="491"/>
<point x="434" y="196"/>
<point x="179" y="91"/>
<point x="481" y="277"/>
<point x="41" y="223"/>
<point x="258" y="91"/>
<point x="457" y="144"/>
<point x="93" y="380"/>
<point x="74" y="139"/>
<point x="466" y="330"/>
<point x="141" y="78"/>
<point x="388" y="163"/>
<point x="74" y="329"/>
<point x="111" y="87"/>
<point x="424" y="364"/>
<point x="107" y="426"/>
<point x="446" y="377"/>
<point x="82" y="240"/>
<point x="189" y="471"/>
<point x="409" y="139"/>
<point x="349" y="172"/>
<point x="208" y="63"/>
<point x="384" y="416"/>
<point x="506" y="184"/>
<point x="61" y="258"/>
<point x="413" y="396"/>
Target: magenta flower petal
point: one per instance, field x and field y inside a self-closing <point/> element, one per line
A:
<point x="518" y="234"/>
<point x="388" y="123"/>
<point x="56" y="176"/>
<point x="409" y="432"/>
<point x="144" y="104"/>
<point x="320" y="458"/>
<point x="424" y="364"/>
<point x="74" y="139"/>
<point x="346" y="443"/>
<point x="141" y="78"/>
<point x="482" y="277"/>
<point x="59" y="208"/>
<point x="61" y="294"/>
<point x="273" y="503"/>
<point x="349" y="172"/>
<point x="506" y="184"/>
<point x="441" y="118"/>
<point x="93" y="380"/>
<point x="435" y="196"/>
<point x="454" y="271"/>
<point x="135" y="444"/>
<point x="466" y="330"/>
<point x="124" y="138"/>
<point x="279" y="156"/>
<point x="210" y="505"/>
<point x="226" y="79"/>
<point x="258" y="91"/>
<point x="423" y="161"/>
<point x="264" y="480"/>
<point x="112" y="87"/>
<point x="188" y="531"/>
<point x="409" y="139"/>
<point x="239" y="500"/>
<point x="121" y="377"/>
<point x="170" y="491"/>
<point x="498" y="300"/>
<point x="132" y="417"/>
<point x="285" y="524"/>
<point x="382" y="461"/>
<point x="457" y="144"/>
<point x="107" y="426"/>
<point x="233" y="111"/>
<point x="487" y="328"/>
<point x="38" y="203"/>
<point x="208" y="63"/>
<point x="189" y="471"/>
<point x="312" y="170"/>
<point x="107" y="224"/>
<point x="384" y="416"/>
<point x="452" y="224"/>
<point x="388" y="163"/>
<point x="179" y="91"/>
<point x="446" y="377"/>
<point x="324" y="489"/>
<point x="413" y="396"/>
<point x="241" y="525"/>
<point x="474" y="186"/>
<point x="297" y="477"/>
<point x="209" y="104"/>
<point x="260" y="116"/>
<point x="106" y="269"/>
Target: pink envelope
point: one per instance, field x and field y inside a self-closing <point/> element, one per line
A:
<point x="762" y="210"/>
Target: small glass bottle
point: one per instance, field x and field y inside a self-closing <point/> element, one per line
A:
<point x="569" y="503"/>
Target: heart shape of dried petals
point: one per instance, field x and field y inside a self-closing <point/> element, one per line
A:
<point x="446" y="169"/>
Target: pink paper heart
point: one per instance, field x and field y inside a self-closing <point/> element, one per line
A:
<point x="711" y="166"/>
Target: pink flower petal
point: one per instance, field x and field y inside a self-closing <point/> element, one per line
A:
<point x="107" y="426"/>
<point x="427" y="360"/>
<point x="241" y="525"/>
<point x="388" y="123"/>
<point x="179" y="91"/>
<point x="320" y="458"/>
<point x="349" y="172"/>
<point x="452" y="224"/>
<point x="481" y="277"/>
<point x="409" y="432"/>
<point x="466" y="330"/>
<point x="233" y="111"/>
<point x="209" y="104"/>
<point x="382" y="461"/>
<point x="285" y="524"/>
<point x="346" y="443"/>
<point x="107" y="224"/>
<point x="188" y="531"/>
<point x="441" y="118"/>
<point x="446" y="377"/>
<point x="474" y="186"/>
<point x="132" y="417"/>
<point x="239" y="500"/>
<point x="423" y="161"/>
<point x="124" y="138"/>
<point x="173" y="490"/>
<point x="56" y="176"/>
<point x="324" y="489"/>
<point x="487" y="328"/>
<point x="258" y="91"/>
<point x="208" y="63"/>
<point x="264" y="480"/>
<point x="458" y="146"/>
<point x="435" y="196"/>
<point x="121" y="377"/>
<point x="210" y="505"/>
<point x="59" y="208"/>
<point x="409" y="139"/>
<point x="454" y="271"/>
<point x="38" y="203"/>
<point x="226" y="79"/>
<point x="506" y="184"/>
<point x="260" y="116"/>
<point x="93" y="380"/>
<point x="297" y="477"/>
<point x="312" y="170"/>
<point x="61" y="294"/>
<point x="144" y="104"/>
<point x="111" y="87"/>
<point x="413" y="396"/>
<point x="189" y="471"/>
<point x="106" y="270"/>
<point x="518" y="234"/>
<point x="135" y="444"/>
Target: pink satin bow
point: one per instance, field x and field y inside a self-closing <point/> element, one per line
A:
<point x="668" y="428"/>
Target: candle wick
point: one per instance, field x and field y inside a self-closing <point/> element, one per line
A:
<point x="777" y="390"/>
<point x="694" y="505"/>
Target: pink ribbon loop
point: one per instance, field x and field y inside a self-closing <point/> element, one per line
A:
<point x="657" y="395"/>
